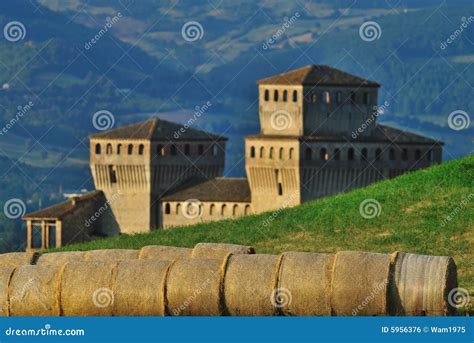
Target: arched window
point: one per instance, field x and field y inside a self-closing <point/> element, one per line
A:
<point x="130" y="149"/>
<point x="271" y="153"/>
<point x="366" y="98"/>
<point x="247" y="209"/>
<point x="119" y="149"/>
<point x="252" y="152"/>
<point x="290" y="154"/>
<point x="215" y="150"/>
<point x="353" y="97"/>
<point x="267" y="95"/>
<point x="140" y="149"/>
<point x="97" y="149"/>
<point x="391" y="154"/>
<point x="338" y="97"/>
<point x="281" y="153"/>
<point x="160" y="151"/>
<point x="295" y="96"/>
<point x="224" y="210"/>
<point x="363" y="155"/>
<point x="275" y="95"/>
<point x="417" y="154"/>
<point x="350" y="154"/>
<point x="167" y="208"/>
<point x="200" y="149"/>
<point x="404" y="154"/>
<point x="108" y="149"/>
<point x="337" y="154"/>
<point x="326" y="97"/>
<point x="187" y="149"/>
<point x="173" y="150"/>
<point x="212" y="209"/>
<point x="308" y="154"/>
<point x="285" y="95"/>
<point x="262" y="152"/>
<point x="178" y="209"/>
<point x="234" y="210"/>
<point x="378" y="154"/>
<point x="323" y="154"/>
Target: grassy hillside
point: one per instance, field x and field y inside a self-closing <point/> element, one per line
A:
<point x="413" y="218"/>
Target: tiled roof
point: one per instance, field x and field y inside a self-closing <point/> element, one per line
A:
<point x="157" y="130"/>
<point x="218" y="189"/>
<point x="60" y="210"/>
<point x="317" y="75"/>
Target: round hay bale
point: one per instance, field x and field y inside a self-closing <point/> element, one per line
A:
<point x="111" y="255"/>
<point x="304" y="284"/>
<point x="16" y="259"/>
<point x="60" y="258"/>
<point x="422" y="285"/>
<point x="140" y="287"/>
<point x="359" y="284"/>
<point x="249" y="284"/>
<point x="161" y="252"/>
<point x="193" y="287"/>
<point x="87" y="289"/>
<point x="220" y="250"/>
<point x="34" y="291"/>
<point x="5" y="277"/>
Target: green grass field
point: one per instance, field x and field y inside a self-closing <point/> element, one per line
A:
<point x="413" y="218"/>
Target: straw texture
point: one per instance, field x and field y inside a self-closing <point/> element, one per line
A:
<point x="16" y="259"/>
<point x="140" y="287"/>
<point x="360" y="283"/>
<point x="111" y="255"/>
<point x="421" y="285"/>
<point x="160" y="252"/>
<point x="87" y="288"/>
<point x="33" y="291"/>
<point x="304" y="284"/>
<point x="5" y="276"/>
<point x="249" y="284"/>
<point x="60" y="258"/>
<point x="220" y="250"/>
<point x="193" y="288"/>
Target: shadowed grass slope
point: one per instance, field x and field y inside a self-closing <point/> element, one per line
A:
<point x="426" y="212"/>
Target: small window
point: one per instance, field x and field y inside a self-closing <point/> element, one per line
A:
<point x="173" y="150"/>
<point x="119" y="149"/>
<point x="364" y="154"/>
<point x="366" y="98"/>
<point x="271" y="153"/>
<point x="97" y="149"/>
<point x="252" y="152"/>
<point x="178" y="209"/>
<point x="215" y="150"/>
<point x="262" y="152"/>
<point x="200" y="149"/>
<point x="405" y="154"/>
<point x="378" y="155"/>
<point x="275" y="95"/>
<point x="267" y="95"/>
<point x="224" y="210"/>
<point x="112" y="175"/>
<point x="247" y="209"/>
<point x="167" y="208"/>
<point x="285" y="95"/>
<point x="417" y="154"/>
<point x="160" y="150"/>
<point x="295" y="96"/>
<point x="280" y="188"/>
<point x="290" y="154"/>
<point x="108" y="149"/>
<point x="391" y="154"/>
<point x="130" y="149"/>
<point x="337" y="154"/>
<point x="281" y="153"/>
<point x="187" y="150"/>
<point x="323" y="154"/>
<point x="212" y="209"/>
<point x="141" y="147"/>
<point x="327" y="97"/>
<point x="234" y="210"/>
<point x="338" y="97"/>
<point x="350" y="154"/>
<point x="308" y="155"/>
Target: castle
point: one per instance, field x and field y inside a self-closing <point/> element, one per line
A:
<point x="319" y="136"/>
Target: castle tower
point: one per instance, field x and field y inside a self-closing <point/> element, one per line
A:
<point x="137" y="164"/>
<point x="319" y="137"/>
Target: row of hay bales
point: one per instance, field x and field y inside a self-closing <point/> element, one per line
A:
<point x="220" y="279"/>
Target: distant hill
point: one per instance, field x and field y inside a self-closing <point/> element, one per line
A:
<point x="427" y="212"/>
